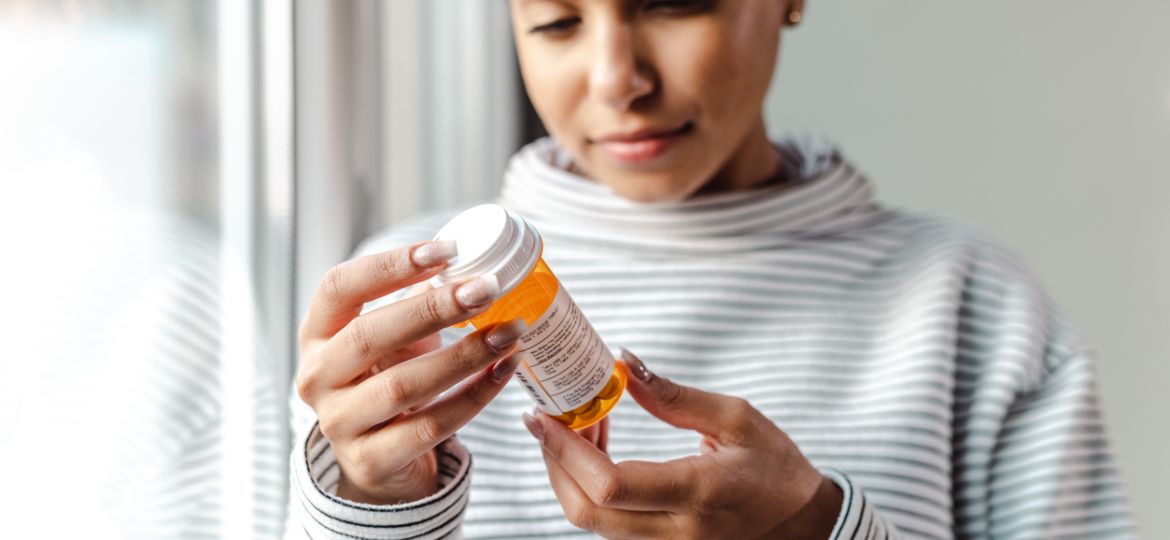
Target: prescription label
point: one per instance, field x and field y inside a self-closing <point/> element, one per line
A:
<point x="564" y="363"/>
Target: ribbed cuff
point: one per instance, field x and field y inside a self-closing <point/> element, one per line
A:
<point x="322" y="514"/>
<point x="858" y="520"/>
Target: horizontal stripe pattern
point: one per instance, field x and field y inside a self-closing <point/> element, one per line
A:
<point x="320" y="513"/>
<point x="117" y="426"/>
<point x="911" y="358"/>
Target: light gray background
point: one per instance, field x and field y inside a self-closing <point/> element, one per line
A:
<point x="1046" y="123"/>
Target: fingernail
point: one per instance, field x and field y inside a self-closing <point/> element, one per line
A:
<point x="434" y="252"/>
<point x="478" y="291"/>
<point x="637" y="368"/>
<point x="504" y="335"/>
<point x="533" y="426"/>
<point x="505" y="367"/>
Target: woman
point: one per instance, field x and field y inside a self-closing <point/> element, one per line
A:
<point x="809" y="363"/>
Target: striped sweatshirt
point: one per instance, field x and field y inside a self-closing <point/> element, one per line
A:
<point x="914" y="361"/>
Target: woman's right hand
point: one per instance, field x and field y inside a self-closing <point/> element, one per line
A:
<point x="373" y="378"/>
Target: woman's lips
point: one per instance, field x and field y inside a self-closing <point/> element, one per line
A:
<point x="639" y="148"/>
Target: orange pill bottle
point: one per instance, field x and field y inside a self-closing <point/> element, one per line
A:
<point x="564" y="365"/>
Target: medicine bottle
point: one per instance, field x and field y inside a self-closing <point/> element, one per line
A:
<point x="565" y="367"/>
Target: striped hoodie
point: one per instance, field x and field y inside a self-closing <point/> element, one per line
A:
<point x="915" y="362"/>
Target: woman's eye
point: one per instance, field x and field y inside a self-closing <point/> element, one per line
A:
<point x="557" y="26"/>
<point x="670" y="6"/>
<point x="676" y="5"/>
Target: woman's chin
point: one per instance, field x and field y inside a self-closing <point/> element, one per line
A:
<point x="650" y="190"/>
<point x="670" y="182"/>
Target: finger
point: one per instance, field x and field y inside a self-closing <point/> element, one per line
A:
<point x="597" y="434"/>
<point x="727" y="419"/>
<point x="421" y="379"/>
<point x="349" y="285"/>
<point x="417" y="289"/>
<point x="420" y="431"/>
<point x="629" y="485"/>
<point x="582" y="512"/>
<point x="423" y="346"/>
<point x="376" y="334"/>
<point x="603" y="437"/>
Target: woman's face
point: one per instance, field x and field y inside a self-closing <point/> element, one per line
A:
<point x="655" y="98"/>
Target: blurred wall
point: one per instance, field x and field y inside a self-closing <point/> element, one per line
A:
<point x="1046" y="123"/>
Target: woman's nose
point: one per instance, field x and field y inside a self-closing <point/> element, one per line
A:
<point x="617" y="77"/>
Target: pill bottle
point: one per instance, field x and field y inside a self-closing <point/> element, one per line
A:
<point x="565" y="367"/>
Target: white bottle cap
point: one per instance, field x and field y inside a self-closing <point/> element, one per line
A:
<point x="490" y="240"/>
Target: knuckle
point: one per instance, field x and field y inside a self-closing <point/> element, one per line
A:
<point x="428" y="430"/>
<point x="329" y="425"/>
<point x="671" y="393"/>
<point x="391" y="391"/>
<point x="703" y="495"/>
<point x="677" y="490"/>
<point x="711" y="499"/>
<point x="610" y="491"/>
<point x="479" y="394"/>
<point x="308" y="381"/>
<point x="359" y="461"/>
<point x="305" y="386"/>
<point x="389" y="267"/>
<point x="428" y="307"/>
<point x="702" y="499"/>
<point x="581" y="516"/>
<point x="330" y="288"/>
<point x="470" y="354"/>
<point x="743" y="415"/>
<point x="393" y="265"/>
<point x="742" y="407"/>
<point x="359" y="339"/>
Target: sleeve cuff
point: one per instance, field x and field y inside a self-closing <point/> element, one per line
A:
<point x="857" y="520"/>
<point x="323" y="514"/>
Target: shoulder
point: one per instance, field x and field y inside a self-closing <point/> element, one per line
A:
<point x="923" y="235"/>
<point x="1003" y="308"/>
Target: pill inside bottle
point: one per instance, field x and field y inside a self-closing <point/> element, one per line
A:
<point x="564" y="366"/>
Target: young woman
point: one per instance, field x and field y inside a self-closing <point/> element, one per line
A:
<point x="806" y="362"/>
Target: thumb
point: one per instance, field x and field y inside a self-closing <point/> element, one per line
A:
<point x="719" y="416"/>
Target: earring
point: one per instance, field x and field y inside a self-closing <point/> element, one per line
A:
<point x="794" y="17"/>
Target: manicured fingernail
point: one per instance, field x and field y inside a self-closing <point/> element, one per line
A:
<point x="637" y="368"/>
<point x="504" y="335"/>
<point x="478" y="291"/>
<point x="505" y="367"/>
<point x="533" y="426"/>
<point x="433" y="253"/>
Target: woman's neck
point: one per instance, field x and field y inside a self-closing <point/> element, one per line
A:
<point x="755" y="163"/>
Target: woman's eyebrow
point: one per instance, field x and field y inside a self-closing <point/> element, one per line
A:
<point x="526" y="3"/>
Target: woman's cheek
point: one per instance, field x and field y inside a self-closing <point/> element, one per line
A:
<point x="553" y="94"/>
<point x="705" y="66"/>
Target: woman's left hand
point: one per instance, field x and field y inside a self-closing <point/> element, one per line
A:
<point x="748" y="481"/>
